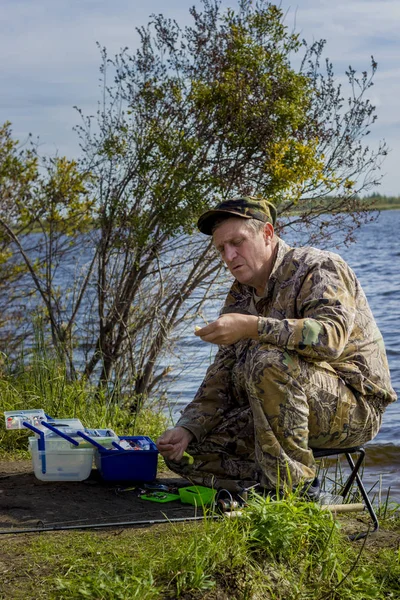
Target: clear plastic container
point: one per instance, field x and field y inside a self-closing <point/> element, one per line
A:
<point x="104" y="437"/>
<point x="52" y="439"/>
<point x="65" y="433"/>
<point x="15" y="418"/>
<point x="68" y="426"/>
<point x="60" y="464"/>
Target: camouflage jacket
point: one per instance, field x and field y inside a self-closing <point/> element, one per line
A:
<point x="313" y="305"/>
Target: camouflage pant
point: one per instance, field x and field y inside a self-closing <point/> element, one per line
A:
<point x="283" y="406"/>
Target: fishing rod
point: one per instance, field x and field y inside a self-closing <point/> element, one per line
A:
<point x="12" y="531"/>
<point x="228" y="513"/>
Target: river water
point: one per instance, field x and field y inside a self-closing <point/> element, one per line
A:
<point x="375" y="258"/>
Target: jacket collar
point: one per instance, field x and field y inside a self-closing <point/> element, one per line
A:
<point x="282" y="249"/>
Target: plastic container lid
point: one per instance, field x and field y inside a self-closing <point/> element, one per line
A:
<point x="15" y="418"/>
<point x="71" y="427"/>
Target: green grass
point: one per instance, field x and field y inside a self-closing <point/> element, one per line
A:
<point x="43" y="383"/>
<point x="286" y="550"/>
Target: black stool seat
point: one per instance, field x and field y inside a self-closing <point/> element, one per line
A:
<point x="353" y="477"/>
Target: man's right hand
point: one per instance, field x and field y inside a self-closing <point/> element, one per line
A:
<point x="173" y="443"/>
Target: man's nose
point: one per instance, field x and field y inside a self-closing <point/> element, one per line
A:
<point x="230" y="253"/>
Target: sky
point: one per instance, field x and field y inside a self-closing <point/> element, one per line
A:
<point x="50" y="60"/>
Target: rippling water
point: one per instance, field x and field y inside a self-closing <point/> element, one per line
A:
<point x="375" y="258"/>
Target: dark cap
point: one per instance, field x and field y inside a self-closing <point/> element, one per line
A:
<point x="246" y="207"/>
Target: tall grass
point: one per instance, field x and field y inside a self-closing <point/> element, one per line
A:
<point x="42" y="382"/>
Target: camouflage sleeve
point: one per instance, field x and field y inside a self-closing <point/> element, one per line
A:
<point x="213" y="397"/>
<point x="326" y="307"/>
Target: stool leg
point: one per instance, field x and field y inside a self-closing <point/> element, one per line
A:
<point x="354" y="470"/>
<point x="355" y="476"/>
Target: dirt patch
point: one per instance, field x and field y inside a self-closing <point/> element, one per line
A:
<point x="28" y="502"/>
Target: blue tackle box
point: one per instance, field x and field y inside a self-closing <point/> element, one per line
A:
<point x="121" y="464"/>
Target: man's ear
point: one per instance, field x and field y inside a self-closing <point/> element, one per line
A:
<point x="268" y="233"/>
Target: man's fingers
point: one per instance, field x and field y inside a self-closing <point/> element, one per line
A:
<point x="214" y="337"/>
<point x="174" y="442"/>
<point x="173" y="455"/>
<point x="211" y="328"/>
<point x="164" y="446"/>
<point x="215" y="332"/>
<point x="209" y="332"/>
<point x="202" y="331"/>
<point x="212" y="340"/>
<point x="176" y="456"/>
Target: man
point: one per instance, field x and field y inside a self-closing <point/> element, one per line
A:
<point x="301" y="362"/>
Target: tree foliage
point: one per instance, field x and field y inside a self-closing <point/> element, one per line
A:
<point x="195" y="114"/>
<point x="44" y="211"/>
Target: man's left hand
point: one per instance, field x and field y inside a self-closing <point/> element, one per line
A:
<point x="229" y="329"/>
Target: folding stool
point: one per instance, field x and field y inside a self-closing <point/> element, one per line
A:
<point x="354" y="476"/>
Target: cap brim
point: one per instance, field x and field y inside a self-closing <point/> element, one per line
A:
<point x="207" y="220"/>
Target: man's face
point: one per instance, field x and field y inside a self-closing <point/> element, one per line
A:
<point x="246" y="253"/>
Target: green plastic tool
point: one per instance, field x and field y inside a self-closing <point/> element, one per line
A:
<point x="161" y="497"/>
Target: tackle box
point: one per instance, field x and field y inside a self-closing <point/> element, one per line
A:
<point x="63" y="449"/>
<point x="120" y="464"/>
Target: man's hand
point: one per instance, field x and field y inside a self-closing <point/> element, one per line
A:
<point x="173" y="443"/>
<point x="229" y="329"/>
